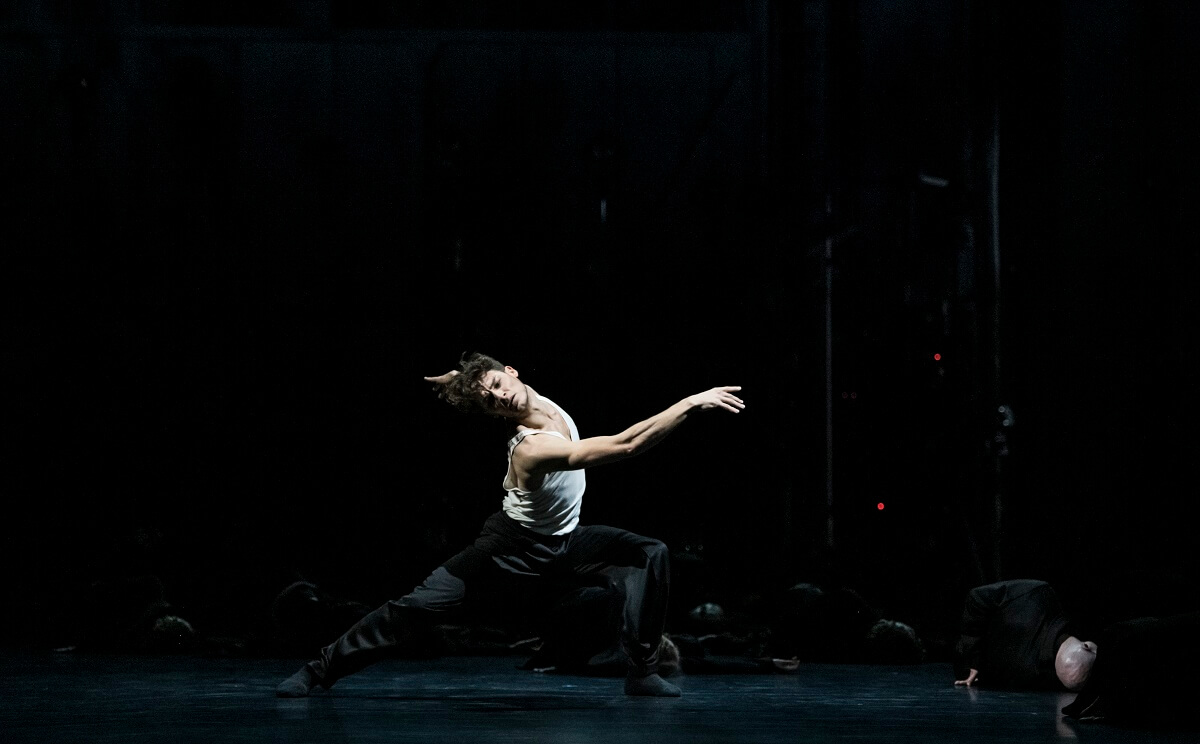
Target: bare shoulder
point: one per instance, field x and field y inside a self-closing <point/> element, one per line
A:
<point x="539" y="440"/>
<point x="540" y="447"/>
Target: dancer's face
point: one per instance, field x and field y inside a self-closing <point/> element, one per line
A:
<point x="503" y="394"/>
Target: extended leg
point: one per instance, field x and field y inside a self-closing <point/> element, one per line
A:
<point x="400" y="623"/>
<point x="395" y="625"/>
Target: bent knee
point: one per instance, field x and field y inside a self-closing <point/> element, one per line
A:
<point x="442" y="590"/>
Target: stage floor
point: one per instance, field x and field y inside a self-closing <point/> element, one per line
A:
<point x="94" y="699"/>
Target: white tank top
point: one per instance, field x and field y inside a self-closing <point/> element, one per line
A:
<point x="553" y="508"/>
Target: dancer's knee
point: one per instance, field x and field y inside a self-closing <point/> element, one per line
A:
<point x="442" y="590"/>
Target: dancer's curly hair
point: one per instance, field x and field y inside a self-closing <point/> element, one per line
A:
<point x="462" y="391"/>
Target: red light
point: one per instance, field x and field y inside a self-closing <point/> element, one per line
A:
<point x="937" y="357"/>
<point x="879" y="506"/>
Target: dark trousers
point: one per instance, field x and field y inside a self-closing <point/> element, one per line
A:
<point x="636" y="567"/>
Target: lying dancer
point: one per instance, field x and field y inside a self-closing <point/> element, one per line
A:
<point x="537" y="532"/>
<point x="1016" y="635"/>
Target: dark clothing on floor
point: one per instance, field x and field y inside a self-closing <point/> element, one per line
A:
<point x="304" y="616"/>
<point x="726" y="654"/>
<point x="1105" y="599"/>
<point x="1011" y="632"/>
<point x="839" y="626"/>
<point x="605" y="557"/>
<point x="1145" y="673"/>
<point x="818" y="624"/>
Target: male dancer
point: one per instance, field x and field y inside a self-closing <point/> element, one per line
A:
<point x="1015" y="634"/>
<point x="537" y="532"/>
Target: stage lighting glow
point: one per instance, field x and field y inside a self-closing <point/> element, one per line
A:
<point x="879" y="506"/>
<point x="937" y="357"/>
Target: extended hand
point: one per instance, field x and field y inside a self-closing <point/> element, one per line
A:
<point x="443" y="379"/>
<point x="719" y="397"/>
<point x="970" y="680"/>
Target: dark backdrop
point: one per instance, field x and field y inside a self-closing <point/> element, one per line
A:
<point x="235" y="240"/>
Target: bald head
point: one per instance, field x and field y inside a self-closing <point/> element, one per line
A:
<point x="1074" y="662"/>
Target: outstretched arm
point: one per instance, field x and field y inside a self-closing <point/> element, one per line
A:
<point x="441" y="383"/>
<point x="981" y="604"/>
<point x="541" y="455"/>
<point x="443" y="379"/>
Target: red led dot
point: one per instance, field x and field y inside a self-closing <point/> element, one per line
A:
<point x="937" y="357"/>
<point x="879" y="506"/>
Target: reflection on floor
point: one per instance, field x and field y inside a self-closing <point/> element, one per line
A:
<point x="94" y="699"/>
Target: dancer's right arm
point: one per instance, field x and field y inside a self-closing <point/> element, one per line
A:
<point x="980" y="604"/>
